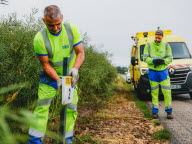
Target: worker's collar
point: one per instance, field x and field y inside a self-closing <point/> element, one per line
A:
<point x="157" y="43"/>
<point x="57" y="33"/>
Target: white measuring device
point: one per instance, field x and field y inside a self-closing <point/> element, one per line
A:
<point x="67" y="90"/>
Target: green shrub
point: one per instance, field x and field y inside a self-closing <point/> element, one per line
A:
<point x="162" y="135"/>
<point x="19" y="64"/>
<point x="17" y="122"/>
<point x="96" y="78"/>
<point x="157" y="123"/>
<point x="20" y="71"/>
<point x="17" y="60"/>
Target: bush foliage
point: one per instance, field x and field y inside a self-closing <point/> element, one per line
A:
<point x="96" y="78"/>
<point x="19" y="64"/>
<point x="20" y="70"/>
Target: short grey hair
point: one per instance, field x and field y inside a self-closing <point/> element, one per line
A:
<point x="52" y="11"/>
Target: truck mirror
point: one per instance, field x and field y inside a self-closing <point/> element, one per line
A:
<point x="134" y="61"/>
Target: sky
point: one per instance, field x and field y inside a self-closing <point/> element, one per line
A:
<point x="111" y="23"/>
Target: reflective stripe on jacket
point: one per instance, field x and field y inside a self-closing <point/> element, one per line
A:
<point x="155" y="50"/>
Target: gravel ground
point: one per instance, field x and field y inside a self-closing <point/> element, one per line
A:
<point x="181" y="126"/>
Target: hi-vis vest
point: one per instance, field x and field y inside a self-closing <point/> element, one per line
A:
<point x="58" y="65"/>
<point x="149" y="50"/>
<point x="162" y="51"/>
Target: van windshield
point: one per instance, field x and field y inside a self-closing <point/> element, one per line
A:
<point x="179" y="50"/>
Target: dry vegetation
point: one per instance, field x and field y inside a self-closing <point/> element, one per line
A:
<point x="120" y="122"/>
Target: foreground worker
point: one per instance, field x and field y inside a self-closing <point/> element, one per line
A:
<point x="158" y="55"/>
<point x="54" y="42"/>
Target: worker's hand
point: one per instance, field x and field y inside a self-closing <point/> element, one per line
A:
<point x="160" y="61"/>
<point x="75" y="76"/>
<point x="154" y="61"/>
<point x="59" y="83"/>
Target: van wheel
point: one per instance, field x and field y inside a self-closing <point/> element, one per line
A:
<point x="190" y="95"/>
<point x="141" y="95"/>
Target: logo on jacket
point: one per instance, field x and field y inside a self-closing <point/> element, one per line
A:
<point x="171" y="71"/>
<point x="65" y="46"/>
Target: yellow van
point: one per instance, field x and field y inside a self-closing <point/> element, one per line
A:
<point x="180" y="70"/>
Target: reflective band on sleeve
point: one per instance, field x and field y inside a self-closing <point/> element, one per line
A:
<point x="168" y="107"/>
<point x="169" y="56"/>
<point x="146" y="55"/>
<point x="43" y="102"/>
<point x="68" y="134"/>
<point x="157" y="57"/>
<point x="72" y="107"/>
<point x="36" y="133"/>
<point x="155" y="106"/>
<point x="154" y="88"/>
<point x="166" y="87"/>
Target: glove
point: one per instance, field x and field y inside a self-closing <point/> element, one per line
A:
<point x="59" y="83"/>
<point x="158" y="62"/>
<point x="154" y="61"/>
<point x="75" y="76"/>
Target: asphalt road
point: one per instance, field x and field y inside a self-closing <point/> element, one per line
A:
<point x="181" y="126"/>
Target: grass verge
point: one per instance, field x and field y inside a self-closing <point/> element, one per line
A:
<point x="157" y="123"/>
<point x="143" y="107"/>
<point x="86" y="139"/>
<point x="140" y="104"/>
<point x="162" y="135"/>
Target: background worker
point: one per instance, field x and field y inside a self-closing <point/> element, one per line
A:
<point x="54" y="42"/>
<point x="158" y="55"/>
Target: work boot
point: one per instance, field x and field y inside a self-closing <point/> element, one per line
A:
<point x="155" y="115"/>
<point x="69" y="140"/>
<point x="34" y="140"/>
<point x="169" y="115"/>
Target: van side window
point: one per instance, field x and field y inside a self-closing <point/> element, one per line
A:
<point x="141" y="52"/>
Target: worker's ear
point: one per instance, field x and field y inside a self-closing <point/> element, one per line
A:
<point x="43" y="19"/>
<point x="61" y="17"/>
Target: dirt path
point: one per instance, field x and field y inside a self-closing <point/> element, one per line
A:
<point x="121" y="122"/>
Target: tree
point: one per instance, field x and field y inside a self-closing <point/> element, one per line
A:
<point x="121" y="69"/>
<point x="4" y="2"/>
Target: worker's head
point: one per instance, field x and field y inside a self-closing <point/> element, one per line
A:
<point x="53" y="18"/>
<point x="158" y="36"/>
